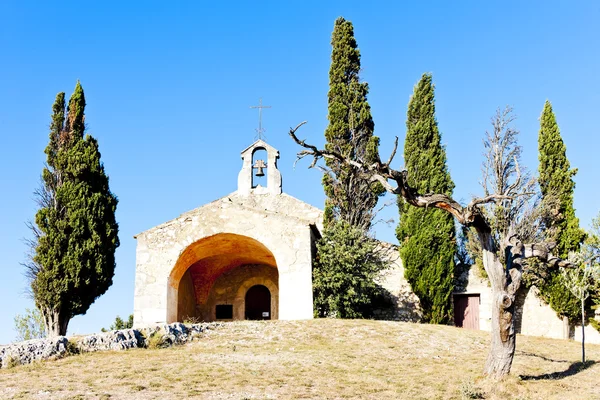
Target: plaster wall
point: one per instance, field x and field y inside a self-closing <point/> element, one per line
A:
<point x="591" y="334"/>
<point x="405" y="304"/>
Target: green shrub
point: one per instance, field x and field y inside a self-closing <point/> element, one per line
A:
<point x="156" y="341"/>
<point x="344" y="274"/>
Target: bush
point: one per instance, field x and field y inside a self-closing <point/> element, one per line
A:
<point x="156" y="341"/>
<point x="343" y="276"/>
<point x="30" y="325"/>
<point x="11" y="362"/>
<point x="468" y="390"/>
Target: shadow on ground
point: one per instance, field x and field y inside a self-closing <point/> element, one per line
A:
<point x="527" y="354"/>
<point x="573" y="369"/>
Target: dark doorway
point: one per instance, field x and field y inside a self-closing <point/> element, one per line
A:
<point x="258" y="303"/>
<point x="466" y="311"/>
<point x="224" y="311"/>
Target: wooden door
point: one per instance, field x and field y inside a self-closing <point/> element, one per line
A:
<point x="466" y="311"/>
<point x="258" y="303"/>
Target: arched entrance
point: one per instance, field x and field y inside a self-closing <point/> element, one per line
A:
<point x="211" y="278"/>
<point x="258" y="303"/>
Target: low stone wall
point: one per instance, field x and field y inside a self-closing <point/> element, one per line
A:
<point x="164" y="335"/>
<point x="33" y="350"/>
<point x="114" y="340"/>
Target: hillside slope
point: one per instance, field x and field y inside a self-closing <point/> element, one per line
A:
<point x="315" y="359"/>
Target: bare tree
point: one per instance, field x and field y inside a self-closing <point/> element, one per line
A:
<point x="505" y="275"/>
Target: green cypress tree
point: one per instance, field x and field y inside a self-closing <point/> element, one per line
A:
<point x="345" y="287"/>
<point x="427" y="237"/>
<point x="557" y="186"/>
<point x="350" y="133"/>
<point x="76" y="232"/>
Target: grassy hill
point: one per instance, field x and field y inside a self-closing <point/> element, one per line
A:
<point x="318" y="359"/>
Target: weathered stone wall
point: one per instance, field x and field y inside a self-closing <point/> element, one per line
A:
<point x="231" y="288"/>
<point x="186" y="299"/>
<point x="538" y="319"/>
<point x="279" y="222"/>
<point x="404" y="303"/>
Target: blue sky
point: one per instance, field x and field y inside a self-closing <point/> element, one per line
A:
<point x="169" y="86"/>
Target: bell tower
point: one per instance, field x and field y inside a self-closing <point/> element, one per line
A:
<point x="250" y="170"/>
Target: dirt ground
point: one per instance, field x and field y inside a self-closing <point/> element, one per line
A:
<point x="317" y="359"/>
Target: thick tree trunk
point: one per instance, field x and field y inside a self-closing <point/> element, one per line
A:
<point x="56" y="323"/>
<point x="503" y="338"/>
<point x="504" y="287"/>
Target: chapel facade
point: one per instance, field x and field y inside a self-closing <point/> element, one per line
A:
<point x="247" y="255"/>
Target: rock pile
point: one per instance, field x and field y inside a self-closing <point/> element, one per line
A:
<point x="33" y="350"/>
<point x="46" y="349"/>
<point x="177" y="333"/>
<point x="114" y="340"/>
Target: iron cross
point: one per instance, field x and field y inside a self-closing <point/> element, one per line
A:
<point x="260" y="129"/>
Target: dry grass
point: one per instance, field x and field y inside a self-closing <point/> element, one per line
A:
<point x="320" y="359"/>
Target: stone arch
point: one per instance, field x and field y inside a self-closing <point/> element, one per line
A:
<point x="240" y="297"/>
<point x="258" y="148"/>
<point x="201" y="263"/>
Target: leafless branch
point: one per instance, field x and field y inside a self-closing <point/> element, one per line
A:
<point x="393" y="154"/>
<point x="470" y="215"/>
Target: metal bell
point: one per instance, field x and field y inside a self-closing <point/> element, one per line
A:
<point x="260" y="165"/>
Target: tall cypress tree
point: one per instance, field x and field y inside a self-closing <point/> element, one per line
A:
<point x="76" y="232"/>
<point x="557" y="186"/>
<point x="345" y="287"/>
<point x="427" y="236"/>
<point x="350" y="133"/>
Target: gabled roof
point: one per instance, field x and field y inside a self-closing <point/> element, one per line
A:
<point x="282" y="205"/>
<point x="260" y="144"/>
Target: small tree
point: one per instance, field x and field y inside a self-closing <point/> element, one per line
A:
<point x="120" y="324"/>
<point x="75" y="232"/>
<point x="344" y="274"/>
<point x="30" y="325"/>
<point x="582" y="280"/>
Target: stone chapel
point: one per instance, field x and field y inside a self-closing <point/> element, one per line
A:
<point x="218" y="262"/>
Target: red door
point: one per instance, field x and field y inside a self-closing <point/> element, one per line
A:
<point x="466" y="311"/>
